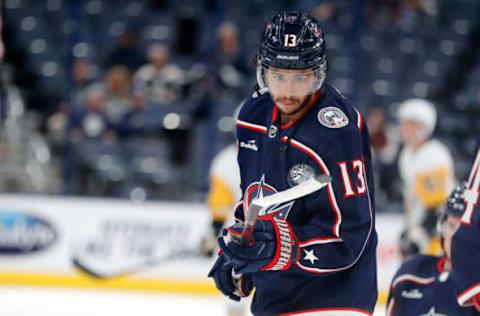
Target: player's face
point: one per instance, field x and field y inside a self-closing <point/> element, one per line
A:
<point x="411" y="132"/>
<point x="290" y="88"/>
<point x="449" y="228"/>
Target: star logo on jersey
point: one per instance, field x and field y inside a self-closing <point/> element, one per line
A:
<point x="413" y="294"/>
<point x="332" y="117"/>
<point x="260" y="189"/>
<point x="432" y="312"/>
<point x="310" y="256"/>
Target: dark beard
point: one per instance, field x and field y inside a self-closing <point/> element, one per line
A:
<point x="300" y="108"/>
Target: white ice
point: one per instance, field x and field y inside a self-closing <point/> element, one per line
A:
<point x="35" y="301"/>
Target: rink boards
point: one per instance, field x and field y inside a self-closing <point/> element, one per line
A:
<point x="148" y="246"/>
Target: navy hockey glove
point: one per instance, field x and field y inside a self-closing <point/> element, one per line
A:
<point x="275" y="246"/>
<point x="231" y="284"/>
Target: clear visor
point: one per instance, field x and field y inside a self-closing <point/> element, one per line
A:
<point x="289" y="82"/>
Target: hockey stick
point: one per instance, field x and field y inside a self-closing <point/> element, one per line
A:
<point x="300" y="190"/>
<point x="100" y="271"/>
<point x="113" y="264"/>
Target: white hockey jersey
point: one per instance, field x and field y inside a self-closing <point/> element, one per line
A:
<point x="224" y="183"/>
<point x="428" y="177"/>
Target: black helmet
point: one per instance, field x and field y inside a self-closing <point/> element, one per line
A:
<point x="454" y="206"/>
<point x="293" y="40"/>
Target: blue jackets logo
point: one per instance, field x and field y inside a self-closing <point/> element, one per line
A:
<point x="23" y="233"/>
<point x="332" y="117"/>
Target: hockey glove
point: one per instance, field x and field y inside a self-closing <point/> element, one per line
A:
<point x="231" y="284"/>
<point x="275" y="246"/>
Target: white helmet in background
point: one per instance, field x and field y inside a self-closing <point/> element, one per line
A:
<point x="421" y="111"/>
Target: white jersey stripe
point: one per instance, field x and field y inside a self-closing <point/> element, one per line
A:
<point x="474" y="169"/>
<point x="252" y="126"/>
<point x="472" y="192"/>
<point x="359" y="120"/>
<point x="467" y="295"/>
<point x="412" y="278"/>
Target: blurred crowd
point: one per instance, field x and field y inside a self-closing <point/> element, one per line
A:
<point x="146" y="120"/>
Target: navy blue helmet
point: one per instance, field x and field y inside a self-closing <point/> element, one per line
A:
<point x="293" y="40"/>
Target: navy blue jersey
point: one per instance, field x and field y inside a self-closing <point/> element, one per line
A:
<point x="334" y="227"/>
<point x="466" y="242"/>
<point x="422" y="288"/>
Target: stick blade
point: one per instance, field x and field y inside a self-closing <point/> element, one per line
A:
<point x="303" y="189"/>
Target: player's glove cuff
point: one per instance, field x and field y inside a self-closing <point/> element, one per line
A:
<point x="275" y="246"/>
<point x="287" y="250"/>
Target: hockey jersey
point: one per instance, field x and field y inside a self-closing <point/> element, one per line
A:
<point x="422" y="288"/>
<point x="224" y="183"/>
<point x="428" y="177"/>
<point x="466" y="242"/>
<point x="336" y="271"/>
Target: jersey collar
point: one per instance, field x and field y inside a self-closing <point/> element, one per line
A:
<point x="308" y="107"/>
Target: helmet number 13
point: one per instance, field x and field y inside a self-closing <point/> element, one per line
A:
<point x="290" y="40"/>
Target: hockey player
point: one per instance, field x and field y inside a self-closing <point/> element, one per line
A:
<point x="426" y="169"/>
<point x="466" y="244"/>
<point x="314" y="255"/>
<point x="423" y="285"/>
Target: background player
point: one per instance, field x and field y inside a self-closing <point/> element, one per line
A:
<point x="426" y="169"/>
<point x="321" y="247"/>
<point x="466" y="244"/>
<point x="423" y="285"/>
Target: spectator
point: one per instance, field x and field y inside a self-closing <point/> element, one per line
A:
<point x="118" y="93"/>
<point x="83" y="75"/>
<point x="385" y="148"/>
<point x="89" y="132"/>
<point x="413" y="12"/>
<point x="160" y="82"/>
<point x="323" y="10"/>
<point x="126" y="53"/>
<point x="134" y="122"/>
<point x="92" y="122"/>
<point x="228" y="67"/>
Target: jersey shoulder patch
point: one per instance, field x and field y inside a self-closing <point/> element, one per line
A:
<point x="336" y="112"/>
<point x="332" y="117"/>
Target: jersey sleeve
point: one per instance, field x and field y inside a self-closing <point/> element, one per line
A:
<point x="341" y="223"/>
<point x="466" y="243"/>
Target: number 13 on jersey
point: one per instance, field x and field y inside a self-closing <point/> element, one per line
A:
<point x="353" y="172"/>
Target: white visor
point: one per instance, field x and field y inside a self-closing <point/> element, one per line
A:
<point x="290" y="83"/>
